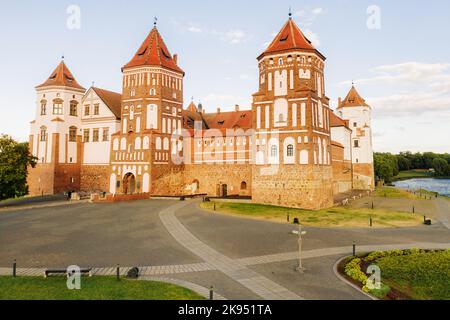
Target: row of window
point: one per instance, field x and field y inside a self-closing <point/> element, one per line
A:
<point x="72" y="134"/>
<point x="95" y="135"/>
<point x="87" y="110"/>
<point x="58" y="108"/>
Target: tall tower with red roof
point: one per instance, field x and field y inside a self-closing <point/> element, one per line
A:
<point x="151" y="118"/>
<point x="55" y="137"/>
<point x="292" y="165"/>
<point x="358" y="113"/>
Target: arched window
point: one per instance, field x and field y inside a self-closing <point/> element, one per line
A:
<point x="116" y="144"/>
<point x="43" y="134"/>
<point x="137" y="143"/>
<point x="290" y="150"/>
<point x="166" y="144"/>
<point x="274" y="151"/>
<point x="152" y="92"/>
<point x="146" y="143"/>
<point x="280" y="118"/>
<point x="73" y="134"/>
<point x="243" y="185"/>
<point x="280" y="61"/>
<point x="158" y="143"/>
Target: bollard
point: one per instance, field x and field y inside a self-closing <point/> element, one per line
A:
<point x="354" y="248"/>
<point x="214" y="207"/>
<point x="14" y="268"/>
<point x="373" y="205"/>
<point x="211" y="293"/>
<point x="371" y="222"/>
<point x="424" y="219"/>
<point x="288" y="218"/>
<point x="414" y="209"/>
<point x="118" y="273"/>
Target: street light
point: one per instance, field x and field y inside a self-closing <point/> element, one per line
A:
<point x="300" y="234"/>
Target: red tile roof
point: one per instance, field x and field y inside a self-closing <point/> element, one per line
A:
<point x="290" y="38"/>
<point x="61" y="77"/>
<point x="336" y="121"/>
<point x="353" y="99"/>
<point x="229" y="120"/>
<point x="154" y="52"/>
<point x="112" y="99"/>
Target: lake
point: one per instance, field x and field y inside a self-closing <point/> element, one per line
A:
<point x="442" y="186"/>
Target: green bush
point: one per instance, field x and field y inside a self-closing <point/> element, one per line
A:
<point x="353" y="270"/>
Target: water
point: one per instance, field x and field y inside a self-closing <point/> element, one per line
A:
<point x="442" y="186"/>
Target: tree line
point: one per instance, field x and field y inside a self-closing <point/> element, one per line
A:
<point x="388" y="166"/>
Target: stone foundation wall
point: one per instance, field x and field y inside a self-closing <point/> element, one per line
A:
<point x="167" y="181"/>
<point x="306" y="187"/>
<point x="363" y="176"/>
<point x="214" y="179"/>
<point x="64" y="173"/>
<point x="95" y="178"/>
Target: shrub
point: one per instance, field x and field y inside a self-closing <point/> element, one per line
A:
<point x="353" y="270"/>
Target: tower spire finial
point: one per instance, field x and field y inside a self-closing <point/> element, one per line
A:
<point x="290" y="12"/>
<point x="155" y="21"/>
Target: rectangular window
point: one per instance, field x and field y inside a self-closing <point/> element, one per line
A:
<point x="72" y="134"/>
<point x="355" y="124"/>
<point x="96" y="109"/>
<point x="43" y="108"/>
<point x="86" y="110"/>
<point x="57" y="108"/>
<point x="73" y="109"/>
<point x="86" y="135"/>
<point x="356" y="143"/>
<point x="105" y="134"/>
<point x="95" y="135"/>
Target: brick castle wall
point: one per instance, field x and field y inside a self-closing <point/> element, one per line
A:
<point x="363" y="176"/>
<point x="342" y="170"/>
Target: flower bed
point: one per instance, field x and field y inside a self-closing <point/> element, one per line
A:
<point x="405" y="274"/>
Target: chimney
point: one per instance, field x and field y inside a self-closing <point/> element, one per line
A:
<point x="175" y="58"/>
<point x="236" y="107"/>
<point x="218" y="110"/>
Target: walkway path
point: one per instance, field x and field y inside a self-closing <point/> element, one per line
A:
<point x="443" y="209"/>
<point x="263" y="287"/>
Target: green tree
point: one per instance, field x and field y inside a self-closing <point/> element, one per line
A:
<point x="14" y="161"/>
<point x="384" y="166"/>
<point x="404" y="164"/>
<point x="440" y="166"/>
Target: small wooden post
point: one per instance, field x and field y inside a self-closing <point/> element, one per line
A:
<point x="118" y="273"/>
<point x="14" y="268"/>
<point x="211" y="293"/>
<point x="354" y="248"/>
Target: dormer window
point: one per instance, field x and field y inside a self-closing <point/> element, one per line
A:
<point x="284" y="38"/>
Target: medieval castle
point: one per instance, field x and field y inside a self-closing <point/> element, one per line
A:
<point x="289" y="149"/>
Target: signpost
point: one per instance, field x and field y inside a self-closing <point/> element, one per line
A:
<point x="300" y="234"/>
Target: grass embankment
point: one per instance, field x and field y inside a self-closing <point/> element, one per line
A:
<point x="396" y="193"/>
<point x="405" y="274"/>
<point x="95" y="288"/>
<point x="333" y="217"/>
<point x="413" y="174"/>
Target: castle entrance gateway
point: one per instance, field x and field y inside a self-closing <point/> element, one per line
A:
<point x="129" y="184"/>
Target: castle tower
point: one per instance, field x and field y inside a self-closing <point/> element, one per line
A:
<point x="55" y="137"/>
<point x="151" y="116"/>
<point x="291" y="120"/>
<point x="355" y="109"/>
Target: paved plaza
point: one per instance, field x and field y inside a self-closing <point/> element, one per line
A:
<point x="177" y="241"/>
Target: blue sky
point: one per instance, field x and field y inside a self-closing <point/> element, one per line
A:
<point x="402" y="69"/>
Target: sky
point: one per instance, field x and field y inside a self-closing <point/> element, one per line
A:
<point x="396" y="52"/>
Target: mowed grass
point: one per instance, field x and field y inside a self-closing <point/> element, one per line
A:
<point x="333" y="217"/>
<point x="422" y="276"/>
<point x="391" y="192"/>
<point x="95" y="288"/>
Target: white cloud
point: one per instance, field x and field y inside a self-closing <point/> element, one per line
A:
<point x="418" y="88"/>
<point x="317" y="11"/>
<point x="194" y="29"/>
<point x="313" y="37"/>
<point x="234" y="36"/>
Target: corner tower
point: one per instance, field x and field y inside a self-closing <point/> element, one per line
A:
<point x="55" y="137"/>
<point x="292" y="166"/>
<point x="151" y="116"/>
<point x="359" y="114"/>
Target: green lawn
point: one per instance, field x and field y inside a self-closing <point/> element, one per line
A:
<point x="333" y="217"/>
<point x="411" y="174"/>
<point x="95" y="288"/>
<point x="405" y="274"/>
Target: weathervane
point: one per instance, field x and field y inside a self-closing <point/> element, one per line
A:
<point x="155" y="21"/>
<point x="290" y="12"/>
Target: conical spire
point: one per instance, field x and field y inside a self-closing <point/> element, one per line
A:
<point x="154" y="52"/>
<point x="290" y="38"/>
<point x="61" y="77"/>
<point x="353" y="99"/>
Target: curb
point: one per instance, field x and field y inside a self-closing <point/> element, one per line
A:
<point x="343" y="279"/>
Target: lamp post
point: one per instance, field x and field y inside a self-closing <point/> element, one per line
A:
<point x="300" y="234"/>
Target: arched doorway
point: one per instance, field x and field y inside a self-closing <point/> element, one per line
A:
<point x="129" y="183"/>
